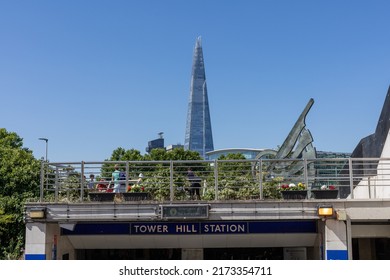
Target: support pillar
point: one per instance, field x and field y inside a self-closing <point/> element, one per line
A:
<point x="44" y="242"/>
<point x="336" y="242"/>
<point x="35" y="241"/>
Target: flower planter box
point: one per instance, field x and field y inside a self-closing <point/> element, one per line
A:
<point x="325" y="194"/>
<point x="136" y="196"/>
<point x="101" y="196"/>
<point x="294" y="194"/>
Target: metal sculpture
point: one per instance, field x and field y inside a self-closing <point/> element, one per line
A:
<point x="297" y="145"/>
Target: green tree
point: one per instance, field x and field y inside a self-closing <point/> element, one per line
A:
<point x="120" y="154"/>
<point x="175" y="154"/>
<point x="234" y="170"/>
<point x="19" y="181"/>
<point x="156" y="175"/>
<point x="235" y="177"/>
<point x="10" y="139"/>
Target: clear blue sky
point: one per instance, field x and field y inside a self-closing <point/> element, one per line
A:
<point x="92" y="76"/>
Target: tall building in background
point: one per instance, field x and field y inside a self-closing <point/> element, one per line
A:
<point x="156" y="143"/>
<point x="198" y="136"/>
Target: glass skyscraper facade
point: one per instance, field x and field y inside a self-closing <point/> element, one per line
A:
<point x="198" y="135"/>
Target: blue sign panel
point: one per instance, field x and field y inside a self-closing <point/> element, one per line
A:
<point x="283" y="227"/>
<point x="202" y="227"/>
<point x="336" y="254"/>
<point x="35" y="257"/>
<point x="106" y="228"/>
<point x="190" y="228"/>
<point x="164" y="228"/>
<point x="224" y="227"/>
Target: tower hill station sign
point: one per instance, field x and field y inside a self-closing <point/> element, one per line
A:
<point x="185" y="228"/>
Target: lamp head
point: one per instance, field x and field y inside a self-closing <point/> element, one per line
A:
<point x="325" y="210"/>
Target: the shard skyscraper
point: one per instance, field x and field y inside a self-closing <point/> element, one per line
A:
<point x="199" y="136"/>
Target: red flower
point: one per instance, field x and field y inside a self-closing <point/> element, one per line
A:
<point x="332" y="187"/>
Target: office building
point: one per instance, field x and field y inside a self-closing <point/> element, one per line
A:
<point x="156" y="143"/>
<point x="198" y="135"/>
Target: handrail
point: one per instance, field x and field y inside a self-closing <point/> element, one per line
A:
<point x="222" y="179"/>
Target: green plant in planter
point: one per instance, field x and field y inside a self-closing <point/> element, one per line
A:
<point x="136" y="188"/>
<point x="271" y="188"/>
<point x="248" y="193"/>
<point x="293" y="187"/>
<point x="227" y="194"/>
<point x="209" y="194"/>
<point x="271" y="192"/>
<point x="158" y="190"/>
<point x="180" y="194"/>
<point x="161" y="193"/>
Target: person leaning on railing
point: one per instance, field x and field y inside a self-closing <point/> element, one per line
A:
<point x="194" y="184"/>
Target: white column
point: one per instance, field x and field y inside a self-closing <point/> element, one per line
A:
<point x="336" y="244"/>
<point x="35" y="241"/>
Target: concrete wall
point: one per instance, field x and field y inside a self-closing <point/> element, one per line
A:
<point x="377" y="186"/>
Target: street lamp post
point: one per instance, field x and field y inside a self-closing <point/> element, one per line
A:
<point x="47" y="144"/>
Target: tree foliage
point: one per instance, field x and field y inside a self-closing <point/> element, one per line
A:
<point x="156" y="175"/>
<point x="10" y="139"/>
<point x="19" y="181"/>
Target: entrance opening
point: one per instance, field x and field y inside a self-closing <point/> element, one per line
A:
<point x="371" y="248"/>
<point x="128" y="254"/>
<point x="243" y="254"/>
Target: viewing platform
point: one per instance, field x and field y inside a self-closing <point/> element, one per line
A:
<point x="219" y="180"/>
<point x="231" y="189"/>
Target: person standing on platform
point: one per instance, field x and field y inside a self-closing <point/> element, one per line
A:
<point x="115" y="179"/>
<point x="91" y="184"/>
<point x="194" y="184"/>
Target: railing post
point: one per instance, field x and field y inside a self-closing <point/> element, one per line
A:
<point x="42" y="179"/>
<point x="369" y="186"/>
<point x="82" y="182"/>
<point x="216" y="179"/>
<point x="172" y="193"/>
<point x="127" y="175"/>
<point x="305" y="177"/>
<point x="305" y="173"/>
<point x="56" y="185"/>
<point x="350" y="177"/>
<point x="261" y="178"/>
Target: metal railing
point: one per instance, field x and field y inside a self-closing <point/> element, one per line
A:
<point x="366" y="178"/>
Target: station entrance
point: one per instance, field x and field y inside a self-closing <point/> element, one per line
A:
<point x="243" y="254"/>
<point x="194" y="240"/>
<point x="371" y="248"/>
<point x="128" y="254"/>
<point x="176" y="254"/>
